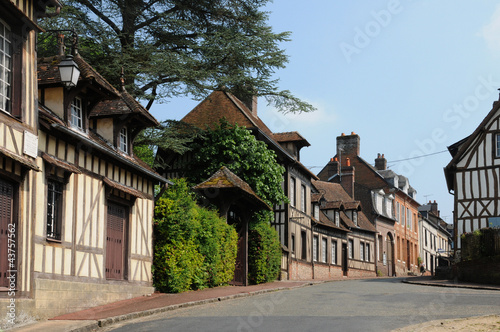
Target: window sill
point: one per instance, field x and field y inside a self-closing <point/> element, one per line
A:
<point x="53" y="240"/>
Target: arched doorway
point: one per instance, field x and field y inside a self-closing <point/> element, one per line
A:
<point x="391" y="264"/>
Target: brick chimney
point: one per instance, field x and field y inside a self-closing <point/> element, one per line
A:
<point x="380" y="162"/>
<point x="347" y="178"/>
<point x="251" y="103"/>
<point x="330" y="170"/>
<point x="348" y="145"/>
<point x="434" y="208"/>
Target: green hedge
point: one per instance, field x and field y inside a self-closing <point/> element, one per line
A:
<point x="264" y="250"/>
<point x="194" y="247"/>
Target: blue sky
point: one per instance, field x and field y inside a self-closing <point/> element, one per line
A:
<point x="411" y="77"/>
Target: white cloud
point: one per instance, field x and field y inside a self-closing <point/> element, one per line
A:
<point x="491" y="31"/>
<point x="279" y="122"/>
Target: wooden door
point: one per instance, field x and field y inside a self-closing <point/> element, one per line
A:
<point x="344" y="259"/>
<point x="7" y="230"/>
<point x="241" y="267"/>
<point x="115" y="241"/>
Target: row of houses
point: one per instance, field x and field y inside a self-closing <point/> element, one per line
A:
<point x="76" y="205"/>
<point x="351" y="219"/>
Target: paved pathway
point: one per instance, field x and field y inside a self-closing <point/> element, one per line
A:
<point x="91" y="319"/>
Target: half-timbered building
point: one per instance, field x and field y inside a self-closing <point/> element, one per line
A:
<point x="472" y="176"/>
<point x="352" y="253"/>
<point x="18" y="147"/>
<point x="92" y="239"/>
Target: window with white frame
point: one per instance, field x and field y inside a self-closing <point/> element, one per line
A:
<point x="337" y="218"/>
<point x="5" y="67"/>
<point x="303" y="198"/>
<point x="54" y="209"/>
<point x="77" y="113"/>
<point x="334" y="251"/>
<point x="315" y="248"/>
<point x="324" y="244"/>
<point x="124" y="140"/>
<point x="497" y="145"/>
<point x="402" y="215"/>
<point x="316" y="211"/>
<point x="397" y="212"/>
<point x="408" y="218"/>
<point x="292" y="191"/>
<point x="361" y="251"/>
<point x="355" y="217"/>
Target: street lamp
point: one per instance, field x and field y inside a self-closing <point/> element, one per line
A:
<point x="69" y="71"/>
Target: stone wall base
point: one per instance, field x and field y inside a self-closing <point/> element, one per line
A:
<point x="55" y="297"/>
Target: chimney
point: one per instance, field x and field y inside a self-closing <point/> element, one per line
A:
<point x="248" y="98"/>
<point x="251" y="103"/>
<point x="348" y="145"/>
<point x="434" y="208"/>
<point x="332" y="168"/>
<point x="380" y="162"/>
<point x="347" y="179"/>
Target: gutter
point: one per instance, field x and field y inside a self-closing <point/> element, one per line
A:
<point x="98" y="147"/>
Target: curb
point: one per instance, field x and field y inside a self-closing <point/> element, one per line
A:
<point x="423" y="283"/>
<point x="112" y="320"/>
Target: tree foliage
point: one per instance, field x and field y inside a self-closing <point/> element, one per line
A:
<point x="194" y="247"/>
<point x="264" y="250"/>
<point x="237" y="149"/>
<point x="180" y="47"/>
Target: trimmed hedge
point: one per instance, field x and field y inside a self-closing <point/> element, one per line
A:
<point x="264" y="250"/>
<point x="194" y="247"/>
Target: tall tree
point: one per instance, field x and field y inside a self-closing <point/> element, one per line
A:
<point x="182" y="47"/>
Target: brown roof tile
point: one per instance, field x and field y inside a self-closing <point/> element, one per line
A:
<point x="48" y="73"/>
<point x="222" y="104"/>
<point x="225" y="179"/>
<point x="126" y="104"/>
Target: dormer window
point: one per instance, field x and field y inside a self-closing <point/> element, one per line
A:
<point x="76" y="113"/>
<point x="337" y="218"/>
<point x="123" y="140"/>
<point x="355" y="217"/>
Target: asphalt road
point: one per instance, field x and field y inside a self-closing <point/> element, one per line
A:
<point x="354" y="305"/>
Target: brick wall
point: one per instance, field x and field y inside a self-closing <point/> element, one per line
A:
<point x="354" y="273"/>
<point x="326" y="271"/>
<point x="484" y="270"/>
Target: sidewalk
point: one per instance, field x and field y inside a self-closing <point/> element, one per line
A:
<point x="94" y="318"/>
<point x="428" y="281"/>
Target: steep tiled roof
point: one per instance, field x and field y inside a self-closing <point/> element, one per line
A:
<point x="48" y="73"/>
<point x="50" y="121"/>
<point x="292" y="136"/>
<point x="337" y="197"/>
<point x="124" y="105"/>
<point x="222" y="104"/>
<point x="325" y="221"/>
<point x="225" y="179"/>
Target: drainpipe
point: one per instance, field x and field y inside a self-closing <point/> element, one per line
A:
<point x="312" y="247"/>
